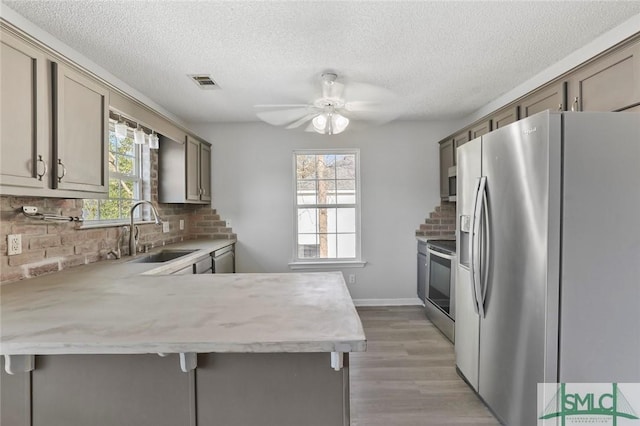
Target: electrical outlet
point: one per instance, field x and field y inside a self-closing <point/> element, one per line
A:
<point x="165" y="227"/>
<point x="14" y="244"/>
<point x="228" y="223"/>
<point x="352" y="278"/>
<point x="182" y="224"/>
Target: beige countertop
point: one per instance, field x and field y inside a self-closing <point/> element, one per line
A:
<point x="441" y="237"/>
<point x="117" y="307"/>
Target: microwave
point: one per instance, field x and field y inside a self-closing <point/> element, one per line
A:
<point x="452" y="173"/>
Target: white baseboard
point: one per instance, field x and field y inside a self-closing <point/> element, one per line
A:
<point x="413" y="301"/>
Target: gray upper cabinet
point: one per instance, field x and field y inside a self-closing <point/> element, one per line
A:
<point x="480" y="129"/>
<point x="24" y="134"/>
<point x="81" y="132"/>
<point x="184" y="171"/>
<point x="459" y="140"/>
<point x="505" y="116"/>
<point x="55" y="125"/>
<point x="552" y="97"/>
<point x="611" y="83"/>
<point x="447" y="159"/>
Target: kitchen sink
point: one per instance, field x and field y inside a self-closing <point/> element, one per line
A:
<point x="162" y="256"/>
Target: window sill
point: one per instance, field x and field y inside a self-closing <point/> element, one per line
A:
<point x="114" y="224"/>
<point x="328" y="264"/>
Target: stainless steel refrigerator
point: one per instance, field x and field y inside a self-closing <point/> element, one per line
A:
<point x="548" y="273"/>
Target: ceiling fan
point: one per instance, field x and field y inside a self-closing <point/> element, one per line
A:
<point x="339" y="105"/>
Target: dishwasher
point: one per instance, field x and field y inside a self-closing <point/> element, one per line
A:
<point x="224" y="261"/>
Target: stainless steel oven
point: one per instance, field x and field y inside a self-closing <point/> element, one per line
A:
<point x="439" y="306"/>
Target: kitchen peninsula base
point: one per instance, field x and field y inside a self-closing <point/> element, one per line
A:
<point x="228" y="389"/>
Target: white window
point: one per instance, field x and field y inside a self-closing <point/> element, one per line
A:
<point x="125" y="183"/>
<point x="327" y="206"/>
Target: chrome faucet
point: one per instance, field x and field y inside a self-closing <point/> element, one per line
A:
<point x="133" y="237"/>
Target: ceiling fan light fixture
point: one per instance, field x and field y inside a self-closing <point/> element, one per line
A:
<point x="339" y="123"/>
<point x="320" y="123"/>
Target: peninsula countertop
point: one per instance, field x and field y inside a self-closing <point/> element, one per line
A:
<point x="122" y="307"/>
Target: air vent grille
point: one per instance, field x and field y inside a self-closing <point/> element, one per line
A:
<point x="204" y="81"/>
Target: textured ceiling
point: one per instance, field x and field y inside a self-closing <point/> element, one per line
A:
<point x="442" y="59"/>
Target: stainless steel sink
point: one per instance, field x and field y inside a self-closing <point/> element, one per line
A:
<point x="162" y="256"/>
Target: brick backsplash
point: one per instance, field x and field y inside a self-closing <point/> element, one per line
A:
<point x="441" y="221"/>
<point x="53" y="246"/>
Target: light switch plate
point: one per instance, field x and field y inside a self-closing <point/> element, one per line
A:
<point x="165" y="227"/>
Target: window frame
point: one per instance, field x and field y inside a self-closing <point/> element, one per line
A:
<point x="138" y="178"/>
<point x="316" y="263"/>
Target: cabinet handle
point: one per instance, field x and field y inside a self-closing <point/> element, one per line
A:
<point x="560" y="107"/>
<point x="200" y="191"/>
<point x="44" y="171"/>
<point x="64" y="170"/>
<point x="574" y="105"/>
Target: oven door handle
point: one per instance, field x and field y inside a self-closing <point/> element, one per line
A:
<point x="442" y="255"/>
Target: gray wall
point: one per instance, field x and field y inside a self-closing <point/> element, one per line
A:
<point x="252" y="188"/>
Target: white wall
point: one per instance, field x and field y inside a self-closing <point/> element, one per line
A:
<point x="252" y="187"/>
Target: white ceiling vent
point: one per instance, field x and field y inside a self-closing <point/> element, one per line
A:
<point x="204" y="81"/>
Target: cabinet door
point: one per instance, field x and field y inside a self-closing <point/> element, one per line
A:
<point x="81" y="125"/>
<point x="611" y="83"/>
<point x="205" y="172"/>
<point x="447" y="154"/>
<point x="192" y="158"/>
<point x="480" y="129"/>
<point x="459" y="140"/>
<point x="505" y="117"/>
<point x="15" y="397"/>
<point x="552" y="97"/>
<point x="24" y="133"/>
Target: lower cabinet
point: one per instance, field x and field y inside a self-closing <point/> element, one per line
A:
<point x="230" y="389"/>
<point x="15" y="398"/>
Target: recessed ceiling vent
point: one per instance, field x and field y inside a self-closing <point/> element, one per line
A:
<point x="204" y="81"/>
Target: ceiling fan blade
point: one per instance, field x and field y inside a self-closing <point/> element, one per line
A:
<point x="284" y="116"/>
<point x="281" y="106"/>
<point x="363" y="106"/>
<point x="303" y="120"/>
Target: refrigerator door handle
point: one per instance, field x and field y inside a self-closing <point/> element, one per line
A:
<point x="475" y="243"/>
<point x="486" y="243"/>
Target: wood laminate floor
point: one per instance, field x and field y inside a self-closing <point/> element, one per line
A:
<point x="407" y="376"/>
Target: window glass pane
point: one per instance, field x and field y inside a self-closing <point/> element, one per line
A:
<point x="126" y="147"/>
<point x="346" y="166"/>
<point x="306" y="166"/>
<point x="307" y="246"/>
<point x="330" y="221"/>
<point x="307" y="192"/>
<point x="90" y="210"/>
<point x="127" y="188"/>
<point x="347" y="245"/>
<point x="125" y="208"/>
<point x="346" y="191"/>
<point x="326" y="166"/>
<point x="327" y="192"/>
<point x="114" y="188"/>
<point x="307" y="221"/>
<point x="113" y="142"/>
<point x="332" y="252"/>
<point x="109" y="209"/>
<point x="323" y="246"/>
<point x="126" y="164"/>
<point x="112" y="162"/>
<point x="346" y="220"/>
